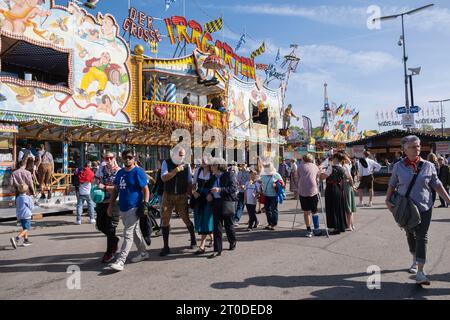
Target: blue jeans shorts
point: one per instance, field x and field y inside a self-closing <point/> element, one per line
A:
<point x="26" y="224"/>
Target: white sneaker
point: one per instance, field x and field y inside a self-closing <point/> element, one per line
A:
<point x="117" y="266"/>
<point x="421" y="279"/>
<point x="140" y="258"/>
<point x="78" y="222"/>
<point x="92" y="221"/>
<point x="13" y="242"/>
<point x="413" y="269"/>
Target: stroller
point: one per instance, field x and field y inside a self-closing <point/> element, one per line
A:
<point x="148" y="223"/>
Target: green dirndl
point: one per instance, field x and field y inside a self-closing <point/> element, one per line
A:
<point x="350" y="205"/>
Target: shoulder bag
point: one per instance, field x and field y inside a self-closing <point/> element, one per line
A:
<point x="405" y="212"/>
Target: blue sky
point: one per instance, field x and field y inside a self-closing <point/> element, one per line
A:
<point x="362" y="67"/>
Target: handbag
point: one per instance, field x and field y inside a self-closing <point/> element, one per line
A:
<point x="405" y="212"/>
<point x="228" y="208"/>
<point x="262" y="197"/>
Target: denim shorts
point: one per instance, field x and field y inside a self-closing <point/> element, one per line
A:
<point x="26" y="224"/>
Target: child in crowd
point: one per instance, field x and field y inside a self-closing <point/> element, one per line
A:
<point x="24" y="207"/>
<point x="252" y="188"/>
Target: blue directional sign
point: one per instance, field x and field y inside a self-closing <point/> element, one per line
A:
<point x="415" y="109"/>
<point x="401" y="110"/>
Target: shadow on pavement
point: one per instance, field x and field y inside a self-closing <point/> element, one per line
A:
<point x="440" y="220"/>
<point x="343" y="288"/>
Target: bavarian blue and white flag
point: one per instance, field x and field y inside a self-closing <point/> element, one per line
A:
<point x="169" y="3"/>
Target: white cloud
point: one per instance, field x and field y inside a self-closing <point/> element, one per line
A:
<point x="347" y="16"/>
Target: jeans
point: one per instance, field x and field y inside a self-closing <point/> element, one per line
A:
<point x="286" y="123"/>
<point x="219" y="222"/>
<point x="107" y="225"/>
<point x="240" y="207"/>
<point x="418" y="238"/>
<point x="131" y="231"/>
<point x="80" y="202"/>
<point x="253" y="219"/>
<point x="271" y="206"/>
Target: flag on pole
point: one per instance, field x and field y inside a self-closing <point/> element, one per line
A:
<point x="278" y="57"/>
<point x="241" y="42"/>
<point x="355" y="119"/>
<point x="214" y="25"/>
<point x="340" y="110"/>
<point x="326" y="129"/>
<point x="259" y="51"/>
<point x="307" y="126"/>
<point x="153" y="47"/>
<point x="169" y="3"/>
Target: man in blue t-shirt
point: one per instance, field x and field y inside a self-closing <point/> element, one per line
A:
<point x="131" y="186"/>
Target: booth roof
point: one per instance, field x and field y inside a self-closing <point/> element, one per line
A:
<point x="400" y="134"/>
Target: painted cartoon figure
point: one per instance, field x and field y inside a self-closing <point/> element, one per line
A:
<point x="239" y="110"/>
<point x="60" y="23"/>
<point x="108" y="31"/>
<point x="105" y="105"/>
<point x="92" y="35"/>
<point x="21" y="14"/>
<point x="101" y="70"/>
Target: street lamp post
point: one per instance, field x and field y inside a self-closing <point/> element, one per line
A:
<point x="443" y="119"/>
<point x="414" y="72"/>
<point x="402" y="42"/>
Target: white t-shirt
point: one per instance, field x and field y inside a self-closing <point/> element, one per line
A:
<point x="85" y="189"/>
<point x="250" y="192"/>
<point x="372" y="167"/>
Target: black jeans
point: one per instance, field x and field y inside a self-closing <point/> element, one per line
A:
<point x="219" y="222"/>
<point x="107" y="225"/>
<point x="253" y="219"/>
<point x="418" y="238"/>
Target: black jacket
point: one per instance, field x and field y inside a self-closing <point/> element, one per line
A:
<point x="229" y="186"/>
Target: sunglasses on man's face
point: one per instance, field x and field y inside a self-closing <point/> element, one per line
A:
<point x="109" y="158"/>
<point x="128" y="158"/>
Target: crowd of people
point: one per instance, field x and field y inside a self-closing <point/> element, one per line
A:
<point x="218" y="195"/>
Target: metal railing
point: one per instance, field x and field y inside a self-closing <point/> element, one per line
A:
<point x="181" y="113"/>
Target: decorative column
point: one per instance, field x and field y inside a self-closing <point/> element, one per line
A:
<point x="139" y="51"/>
<point x="66" y="157"/>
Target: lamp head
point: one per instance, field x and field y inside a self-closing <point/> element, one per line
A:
<point x="415" y="71"/>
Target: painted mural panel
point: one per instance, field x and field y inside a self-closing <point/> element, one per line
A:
<point x="98" y="85"/>
<point x="248" y="101"/>
<point x="239" y="107"/>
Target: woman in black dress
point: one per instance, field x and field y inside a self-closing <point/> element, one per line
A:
<point x="335" y="201"/>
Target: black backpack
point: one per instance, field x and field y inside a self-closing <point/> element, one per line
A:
<point x="75" y="178"/>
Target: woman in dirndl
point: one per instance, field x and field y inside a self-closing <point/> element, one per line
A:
<point x="350" y="203"/>
<point x="335" y="201"/>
